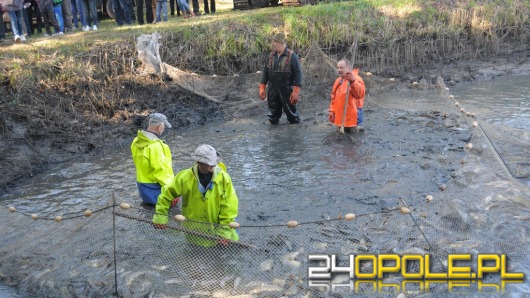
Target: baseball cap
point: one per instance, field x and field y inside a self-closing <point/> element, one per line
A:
<point x="206" y="154"/>
<point x="279" y="37"/>
<point x="157" y="118"/>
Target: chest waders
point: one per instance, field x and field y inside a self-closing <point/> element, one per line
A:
<point x="279" y="90"/>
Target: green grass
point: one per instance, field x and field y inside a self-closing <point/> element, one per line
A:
<point x="233" y="35"/>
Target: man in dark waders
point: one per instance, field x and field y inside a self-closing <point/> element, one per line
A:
<point x="284" y="76"/>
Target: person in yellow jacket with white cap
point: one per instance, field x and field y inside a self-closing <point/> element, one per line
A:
<point x="208" y="196"/>
<point x="152" y="158"/>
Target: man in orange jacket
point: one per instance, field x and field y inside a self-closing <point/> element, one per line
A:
<point x="283" y="74"/>
<point x="348" y="82"/>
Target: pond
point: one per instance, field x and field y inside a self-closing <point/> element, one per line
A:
<point x="285" y="172"/>
<point x="505" y="100"/>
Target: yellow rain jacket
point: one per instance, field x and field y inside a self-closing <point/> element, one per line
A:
<point x="355" y="99"/>
<point x="218" y="205"/>
<point x="152" y="158"/>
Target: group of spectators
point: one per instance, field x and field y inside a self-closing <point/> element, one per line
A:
<point x="157" y="10"/>
<point x="66" y="15"/>
<point x="62" y="15"/>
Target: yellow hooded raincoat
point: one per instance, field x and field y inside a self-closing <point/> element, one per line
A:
<point x="219" y="205"/>
<point x="152" y="158"/>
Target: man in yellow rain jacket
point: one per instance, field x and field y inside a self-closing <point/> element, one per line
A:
<point x="208" y="196"/>
<point x="348" y="80"/>
<point x="152" y="158"/>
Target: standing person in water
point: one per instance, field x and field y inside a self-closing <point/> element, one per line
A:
<point x="282" y="76"/>
<point x="351" y="86"/>
<point x="152" y="159"/>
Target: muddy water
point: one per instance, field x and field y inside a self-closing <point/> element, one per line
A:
<point x="9" y="292"/>
<point x="505" y="100"/>
<point x="280" y="172"/>
<point x="285" y="172"/>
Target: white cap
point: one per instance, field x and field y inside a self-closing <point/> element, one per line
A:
<point x="206" y="154"/>
<point x="157" y="118"/>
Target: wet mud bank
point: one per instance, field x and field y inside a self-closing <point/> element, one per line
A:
<point x="54" y="127"/>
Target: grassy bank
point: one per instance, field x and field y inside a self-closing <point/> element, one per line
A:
<point x="393" y="34"/>
<point x="79" y="90"/>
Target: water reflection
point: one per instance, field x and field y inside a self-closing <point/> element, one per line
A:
<point x="10" y="292"/>
<point x="505" y="100"/>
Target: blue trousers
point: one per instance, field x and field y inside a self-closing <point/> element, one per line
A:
<point x="184" y="7"/>
<point x="58" y="10"/>
<point x="161" y="11"/>
<point x="77" y="8"/>
<point x="122" y="12"/>
<point x="90" y="12"/>
<point x="16" y="22"/>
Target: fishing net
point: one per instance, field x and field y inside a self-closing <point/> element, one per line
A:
<point x="480" y="207"/>
<point x="148" y="51"/>
<point x="339" y="137"/>
<point x="118" y="250"/>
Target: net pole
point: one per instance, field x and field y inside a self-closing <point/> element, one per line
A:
<point x="114" y="244"/>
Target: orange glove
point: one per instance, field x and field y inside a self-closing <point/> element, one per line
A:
<point x="175" y="202"/>
<point x="262" y="92"/>
<point x="331" y="117"/>
<point x="294" y="96"/>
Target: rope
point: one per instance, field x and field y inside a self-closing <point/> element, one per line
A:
<point x="321" y="221"/>
<point x="499" y="158"/>
<point x="181" y="229"/>
<point x="66" y="218"/>
<point x="421" y="231"/>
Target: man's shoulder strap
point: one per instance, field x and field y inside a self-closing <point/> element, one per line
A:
<point x="287" y="67"/>
<point x="287" y="62"/>
<point x="271" y="60"/>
